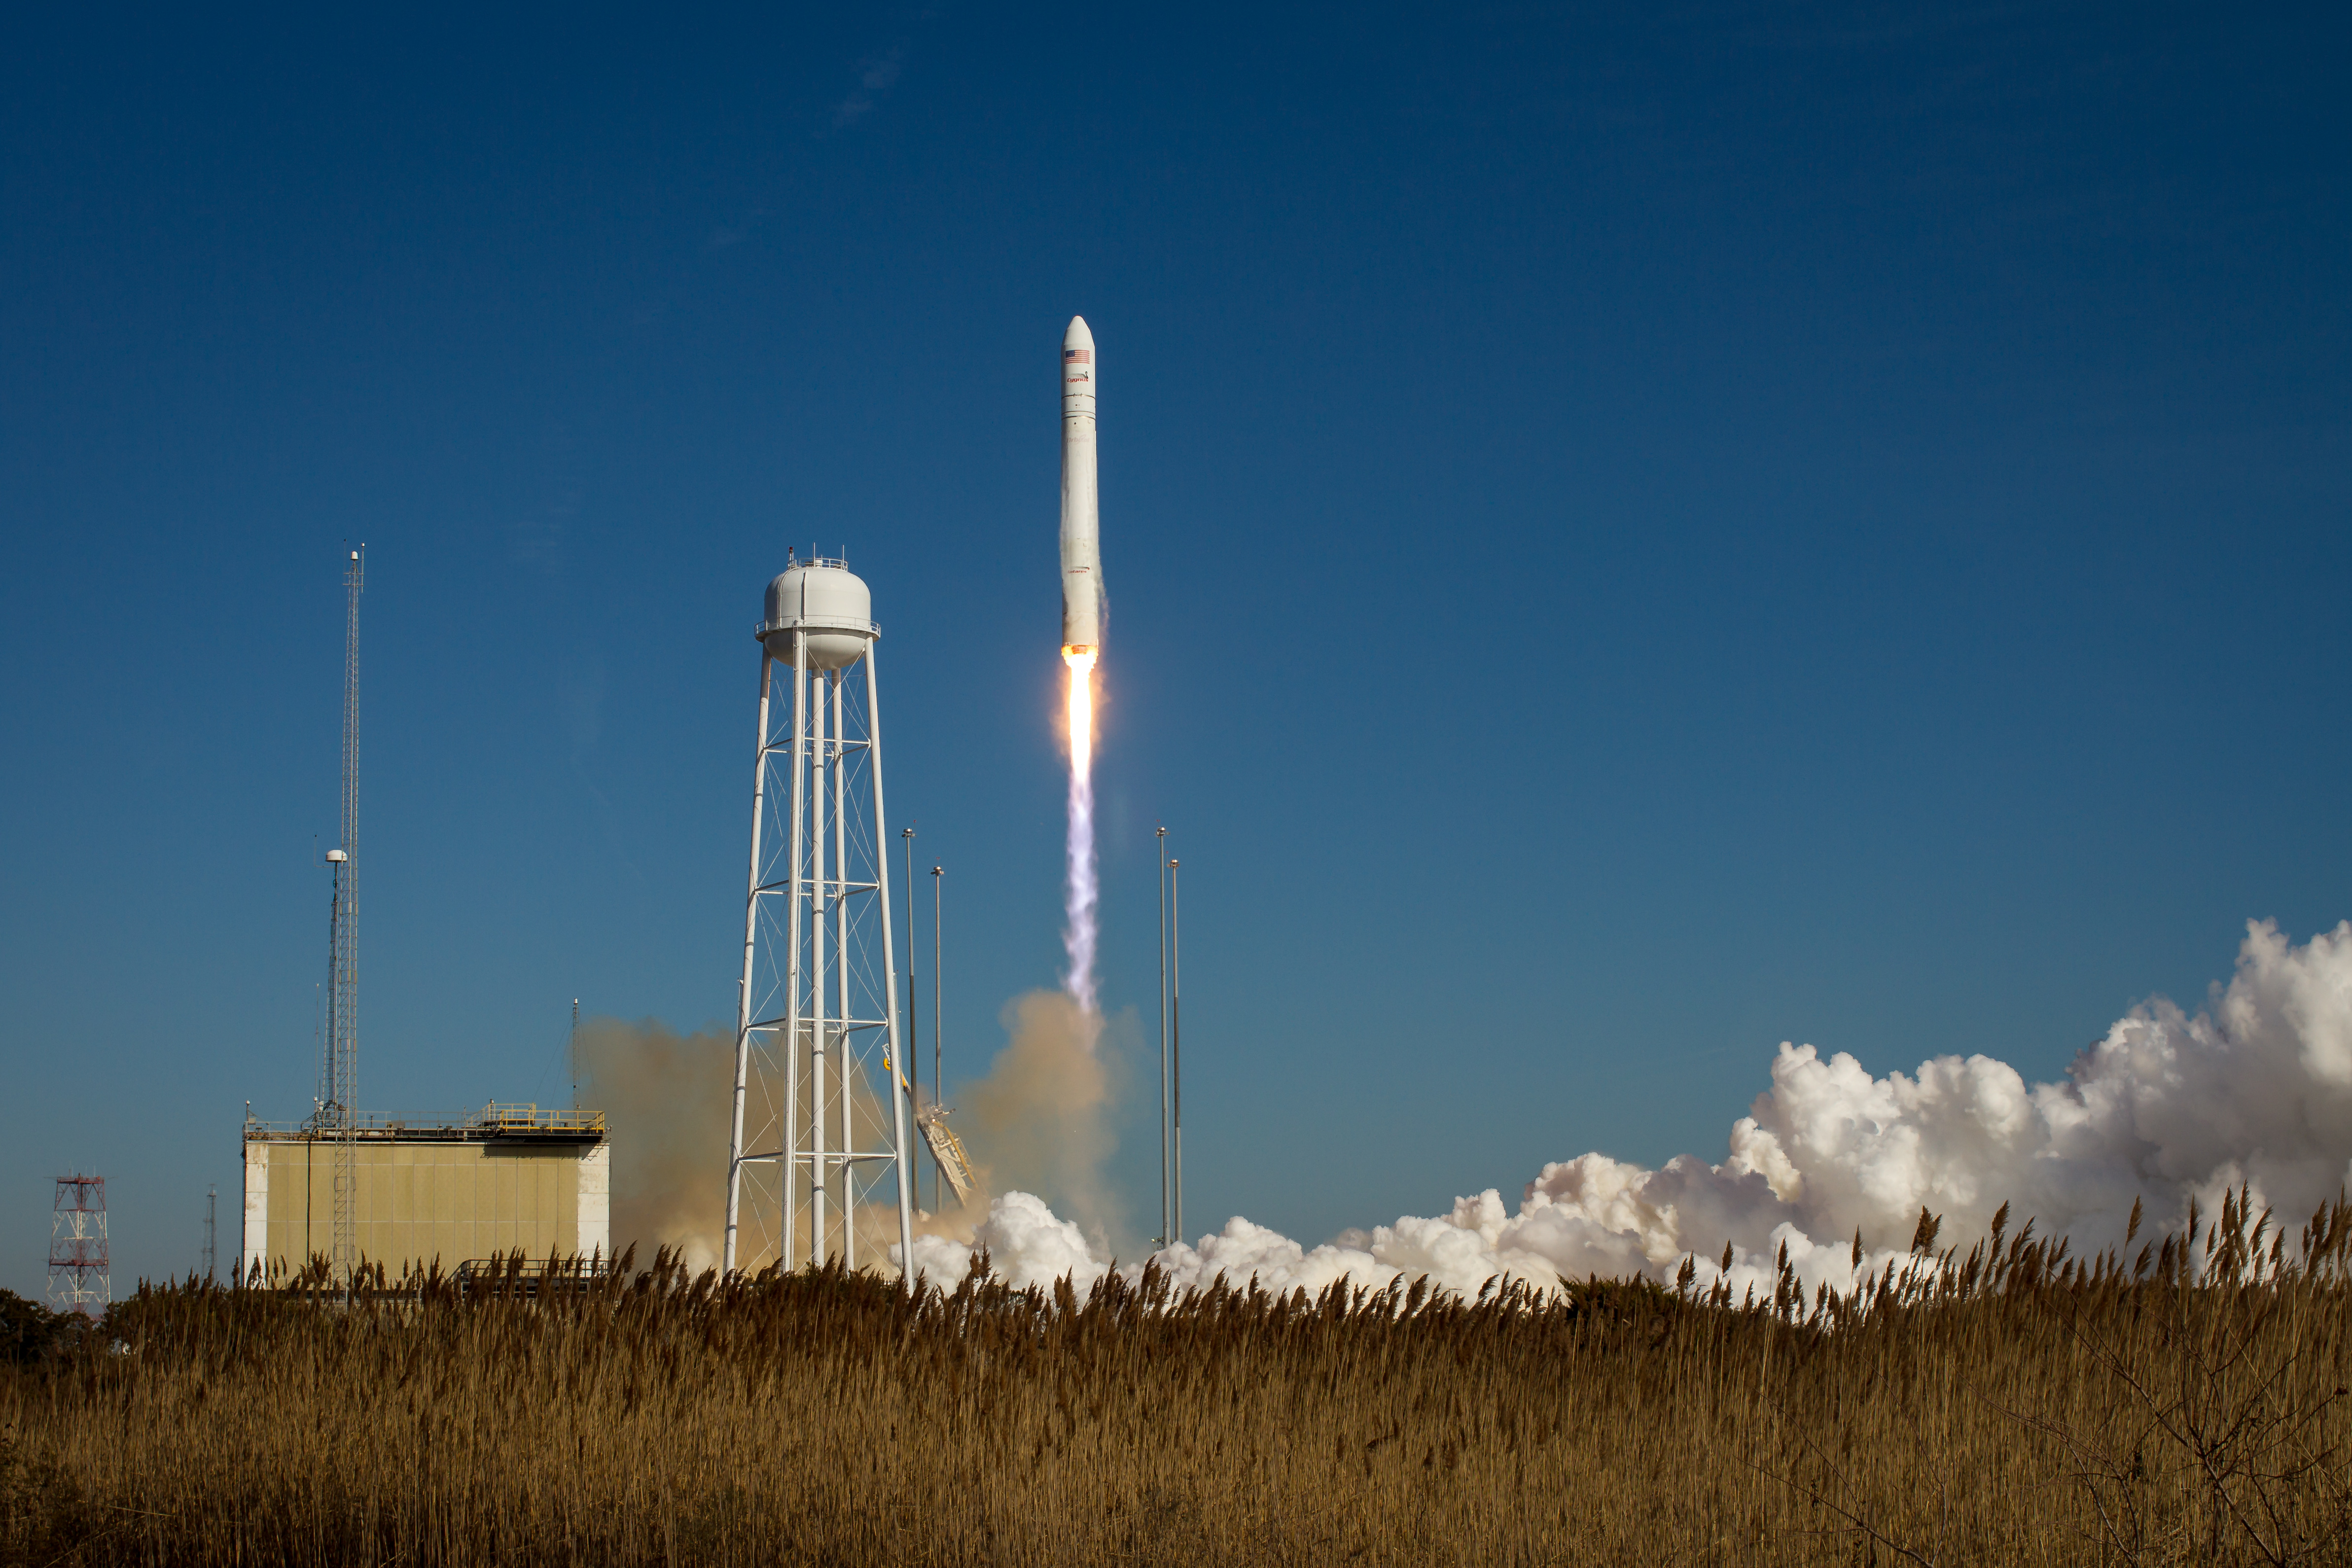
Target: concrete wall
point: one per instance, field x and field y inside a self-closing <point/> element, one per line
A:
<point x="420" y="1202"/>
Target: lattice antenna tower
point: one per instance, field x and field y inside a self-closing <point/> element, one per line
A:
<point x="79" y="1281"/>
<point x="338" y="1073"/>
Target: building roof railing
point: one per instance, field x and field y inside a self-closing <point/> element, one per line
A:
<point x="513" y="1116"/>
<point x="497" y="1119"/>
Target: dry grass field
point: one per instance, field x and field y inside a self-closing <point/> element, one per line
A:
<point x="2010" y="1405"/>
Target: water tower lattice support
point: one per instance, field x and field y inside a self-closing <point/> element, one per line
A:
<point x="821" y="1121"/>
<point x="78" y="1277"/>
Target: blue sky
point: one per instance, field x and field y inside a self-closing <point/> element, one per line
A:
<point x="1636" y="533"/>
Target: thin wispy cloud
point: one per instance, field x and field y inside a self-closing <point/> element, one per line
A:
<point x="874" y="80"/>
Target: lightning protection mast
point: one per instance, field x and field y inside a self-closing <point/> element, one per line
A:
<point x="1167" y="1237"/>
<point x="819" y="1148"/>
<point x="338" y="1118"/>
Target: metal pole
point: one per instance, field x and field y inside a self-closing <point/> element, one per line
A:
<point x="938" y="1083"/>
<point x="900" y="1111"/>
<point x="818" y="1175"/>
<point x="211" y="1216"/>
<point x="1167" y="1219"/>
<point x="1176" y="1038"/>
<point x="788" y="1136"/>
<point x="743" y="985"/>
<point x="914" y="1027"/>
<point x="336" y="860"/>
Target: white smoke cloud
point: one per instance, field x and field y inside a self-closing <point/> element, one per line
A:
<point x="1026" y="1245"/>
<point x="2166" y="1109"/>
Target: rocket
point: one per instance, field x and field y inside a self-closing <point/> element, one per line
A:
<point x="1082" y="584"/>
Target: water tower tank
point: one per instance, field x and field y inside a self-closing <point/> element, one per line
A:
<point x="831" y="602"/>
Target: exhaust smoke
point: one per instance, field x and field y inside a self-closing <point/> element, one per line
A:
<point x="2166" y="1110"/>
<point x="665" y="1099"/>
<point x="1081" y="893"/>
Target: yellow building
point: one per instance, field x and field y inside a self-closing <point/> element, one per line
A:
<point x="513" y="1179"/>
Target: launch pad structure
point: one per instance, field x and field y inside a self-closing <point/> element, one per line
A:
<point x="354" y="1192"/>
<point x="822" y="1118"/>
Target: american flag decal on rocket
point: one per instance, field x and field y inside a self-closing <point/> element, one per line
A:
<point x="1078" y="356"/>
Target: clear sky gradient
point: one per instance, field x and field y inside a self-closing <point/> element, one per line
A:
<point x="1634" y="533"/>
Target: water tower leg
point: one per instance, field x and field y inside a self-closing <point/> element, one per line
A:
<point x="842" y="1076"/>
<point x="819" y="1176"/>
<point x="788" y="1162"/>
<point x="744" y="986"/>
<point x="902" y="1150"/>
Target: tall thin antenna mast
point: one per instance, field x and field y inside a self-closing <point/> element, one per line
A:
<point x="914" y="1029"/>
<point x="1176" y="1043"/>
<point x="338" y="1115"/>
<point x="1167" y="1218"/>
<point x="939" y="1081"/>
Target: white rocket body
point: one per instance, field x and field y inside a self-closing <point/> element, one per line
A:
<point x="1082" y="584"/>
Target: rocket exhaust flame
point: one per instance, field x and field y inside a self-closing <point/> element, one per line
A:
<point x="1081" y="894"/>
<point x="1081" y="713"/>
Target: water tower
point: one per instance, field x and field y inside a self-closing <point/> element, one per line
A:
<point x="819" y="1148"/>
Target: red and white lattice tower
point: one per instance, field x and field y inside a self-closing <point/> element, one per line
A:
<point x="78" y="1266"/>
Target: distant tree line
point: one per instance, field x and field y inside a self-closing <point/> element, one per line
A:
<point x="31" y="1332"/>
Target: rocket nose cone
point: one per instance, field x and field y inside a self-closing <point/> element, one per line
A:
<point x="1077" y="337"/>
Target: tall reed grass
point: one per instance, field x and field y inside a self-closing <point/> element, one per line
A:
<point x="2008" y="1406"/>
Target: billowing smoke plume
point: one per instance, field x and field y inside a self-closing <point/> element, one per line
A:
<point x="2166" y="1110"/>
<point x="1039" y="1119"/>
<point x="1039" y="1122"/>
<point x="665" y="1099"/>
